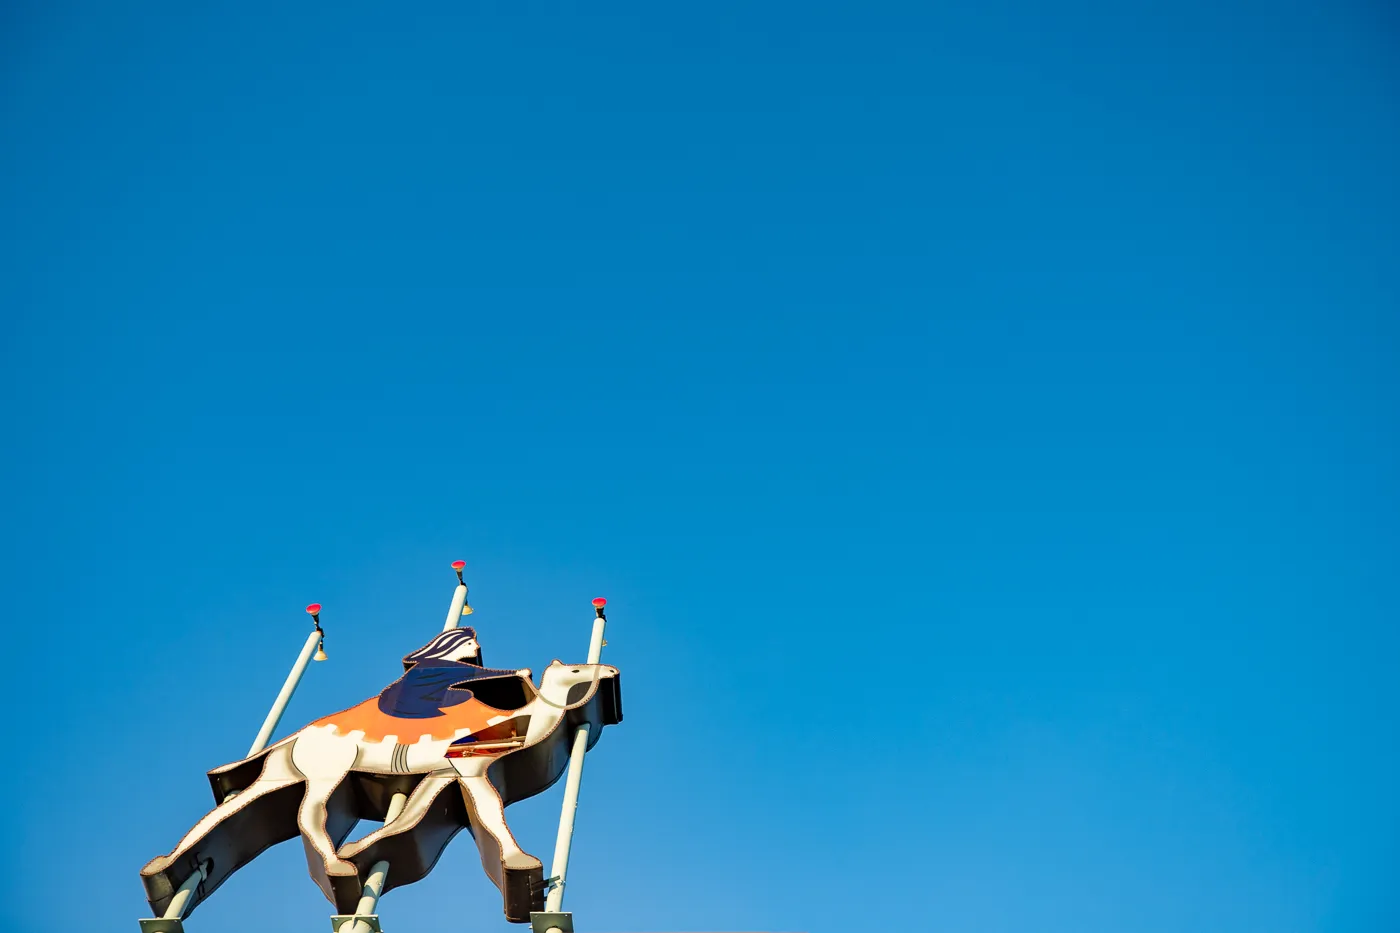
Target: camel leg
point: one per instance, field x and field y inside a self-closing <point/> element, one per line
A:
<point x="419" y="802"/>
<point x="326" y="759"/>
<point x="519" y="875"/>
<point x="332" y="874"/>
<point x="252" y="832"/>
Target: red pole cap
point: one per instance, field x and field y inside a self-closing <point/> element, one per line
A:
<point x="314" y="608"/>
<point x="458" y="564"/>
<point x="599" y="603"/>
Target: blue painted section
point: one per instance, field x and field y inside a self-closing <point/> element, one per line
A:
<point x="428" y="688"/>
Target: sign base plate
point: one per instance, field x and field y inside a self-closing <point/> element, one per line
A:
<point x="542" y="921"/>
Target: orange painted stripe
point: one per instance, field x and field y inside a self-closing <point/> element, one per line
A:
<point x="378" y="726"/>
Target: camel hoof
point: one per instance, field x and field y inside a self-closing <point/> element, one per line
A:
<point x="164" y="875"/>
<point x="521" y="861"/>
<point x="522" y="888"/>
<point x="157" y="865"/>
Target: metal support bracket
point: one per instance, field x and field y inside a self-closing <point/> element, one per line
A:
<point x="542" y="921"/>
<point x="341" y="919"/>
<point x="162" y="925"/>
<point x="545" y="886"/>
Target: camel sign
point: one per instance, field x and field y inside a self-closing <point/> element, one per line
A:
<point x="447" y="746"/>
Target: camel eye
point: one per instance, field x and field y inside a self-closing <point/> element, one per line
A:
<point x="574" y="671"/>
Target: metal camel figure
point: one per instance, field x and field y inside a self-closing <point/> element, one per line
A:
<point x="461" y="741"/>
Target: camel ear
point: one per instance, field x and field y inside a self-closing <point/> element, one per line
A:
<point x="556" y="663"/>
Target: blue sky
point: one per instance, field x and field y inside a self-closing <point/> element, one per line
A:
<point x="981" y="417"/>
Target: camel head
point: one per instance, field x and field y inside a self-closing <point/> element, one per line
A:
<point x="569" y="684"/>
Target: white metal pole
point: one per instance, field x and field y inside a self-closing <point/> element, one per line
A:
<point x="454" y="614"/>
<point x="378" y="873"/>
<point x="181" y="900"/>
<point x="595" y="642"/>
<point x="559" y="870"/>
<point x="369" y="897"/>
<point x="279" y="706"/>
<point x="459" y="599"/>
